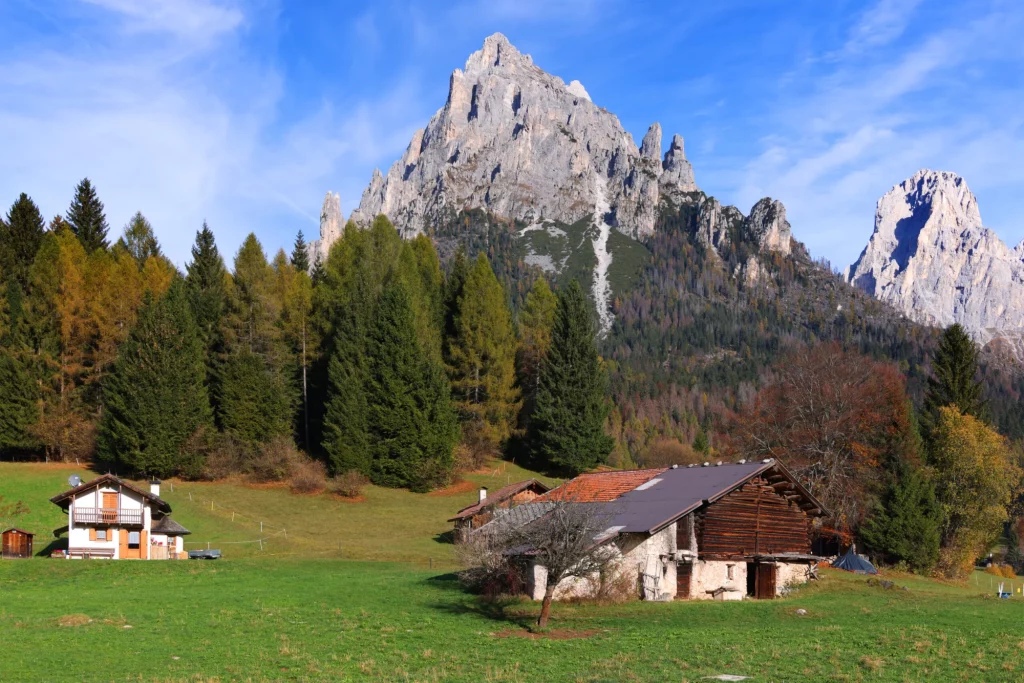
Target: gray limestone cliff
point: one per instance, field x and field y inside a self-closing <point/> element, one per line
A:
<point x="520" y="143"/>
<point x="931" y="258"/>
<point x="332" y="222"/>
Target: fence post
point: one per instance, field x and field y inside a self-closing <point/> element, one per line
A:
<point x="232" y="515"/>
<point x="261" y="527"/>
<point x="285" y="533"/>
<point x="211" y="506"/>
<point x="261" y="545"/>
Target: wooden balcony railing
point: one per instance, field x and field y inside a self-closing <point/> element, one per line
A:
<point x="111" y="516"/>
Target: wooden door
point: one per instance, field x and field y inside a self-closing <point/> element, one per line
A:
<point x="110" y="507"/>
<point x="123" y="544"/>
<point x="684" y="572"/>
<point x="765" y="587"/>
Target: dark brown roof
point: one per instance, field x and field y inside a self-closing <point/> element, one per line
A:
<point x="20" y="531"/>
<point x="63" y="498"/>
<point x="504" y="493"/>
<point x="168" y="526"/>
<point x="676" y="492"/>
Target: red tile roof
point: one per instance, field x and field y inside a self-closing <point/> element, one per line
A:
<point x="500" y="495"/>
<point x="601" y="487"/>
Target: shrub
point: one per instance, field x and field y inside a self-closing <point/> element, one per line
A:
<point x="350" y="484"/>
<point x="275" y="460"/>
<point x="308" y="476"/>
<point x="1008" y="572"/>
<point x="224" y="456"/>
<point x="668" y="452"/>
<point x="994" y="570"/>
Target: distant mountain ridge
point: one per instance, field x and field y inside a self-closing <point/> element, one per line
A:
<point x="931" y="257"/>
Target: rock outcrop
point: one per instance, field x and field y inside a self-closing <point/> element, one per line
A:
<point x="520" y="143"/>
<point x="332" y="223"/>
<point x="931" y="258"/>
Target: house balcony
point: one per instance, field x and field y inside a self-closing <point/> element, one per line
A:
<point x="108" y="516"/>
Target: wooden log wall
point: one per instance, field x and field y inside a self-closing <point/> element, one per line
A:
<point x="759" y="518"/>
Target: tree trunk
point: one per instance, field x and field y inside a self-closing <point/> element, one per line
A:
<point x="545" y="606"/>
<point x="305" y="399"/>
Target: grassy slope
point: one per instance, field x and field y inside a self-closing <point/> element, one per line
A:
<point x="328" y="620"/>
<point x="304" y="615"/>
<point x="387" y="525"/>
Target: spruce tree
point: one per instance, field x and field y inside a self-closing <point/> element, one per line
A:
<point x="316" y="274"/>
<point x="411" y="422"/>
<point x="953" y="382"/>
<point x="139" y="240"/>
<point x="257" y="357"/>
<point x="18" y="396"/>
<point x="905" y="525"/>
<point x="252" y="399"/>
<point x="20" y="237"/>
<point x="482" y="357"/>
<point x="86" y="218"/>
<point x="453" y="285"/>
<point x="205" y="284"/>
<point x="300" y="254"/>
<point x="536" y="320"/>
<point x="155" y="399"/>
<point x="567" y="426"/>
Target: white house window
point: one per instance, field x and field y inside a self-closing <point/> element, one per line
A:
<point x="133" y="539"/>
<point x="101" y="534"/>
<point x="729" y="571"/>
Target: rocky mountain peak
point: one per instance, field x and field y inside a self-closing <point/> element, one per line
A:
<point x="519" y="143"/>
<point x="332" y="223"/>
<point x="931" y="257"/>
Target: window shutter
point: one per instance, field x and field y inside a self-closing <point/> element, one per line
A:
<point x="92" y="534"/>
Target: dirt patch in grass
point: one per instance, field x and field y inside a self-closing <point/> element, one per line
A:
<point x="73" y="620"/>
<point x="344" y="499"/>
<point x="553" y="634"/>
<point x="464" y="486"/>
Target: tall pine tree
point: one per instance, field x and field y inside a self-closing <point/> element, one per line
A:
<point x="482" y="358"/>
<point x="205" y="285"/>
<point x="20" y="237"/>
<point x="300" y="254"/>
<point x="567" y="426"/>
<point x="139" y="240"/>
<point x="953" y="381"/>
<point x="905" y="525"/>
<point x="411" y="422"/>
<point x="87" y="219"/>
<point x="155" y="398"/>
<point x="536" y="320"/>
<point x="253" y="384"/>
<point x="452" y="292"/>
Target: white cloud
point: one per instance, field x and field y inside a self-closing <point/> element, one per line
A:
<point x="185" y="128"/>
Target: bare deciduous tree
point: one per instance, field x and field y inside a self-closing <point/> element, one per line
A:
<point x="566" y="537"/>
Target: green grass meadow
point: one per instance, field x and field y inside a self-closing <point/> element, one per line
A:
<point x="303" y="611"/>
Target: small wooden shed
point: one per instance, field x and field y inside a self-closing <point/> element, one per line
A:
<point x="17" y="543"/>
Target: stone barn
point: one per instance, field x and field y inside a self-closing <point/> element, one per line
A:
<point x="721" y="531"/>
<point x="479" y="513"/>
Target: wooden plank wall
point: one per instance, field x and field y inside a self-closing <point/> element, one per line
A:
<point x="754" y="519"/>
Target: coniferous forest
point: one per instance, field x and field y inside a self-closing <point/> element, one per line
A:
<point x="387" y="363"/>
<point x="375" y="363"/>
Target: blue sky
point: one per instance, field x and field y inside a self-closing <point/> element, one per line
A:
<point x="245" y="112"/>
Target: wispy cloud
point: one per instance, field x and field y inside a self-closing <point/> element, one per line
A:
<point x="165" y="111"/>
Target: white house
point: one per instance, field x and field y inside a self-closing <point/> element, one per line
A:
<point x="112" y="518"/>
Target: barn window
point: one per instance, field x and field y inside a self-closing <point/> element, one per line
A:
<point x="729" y="571"/>
<point x="101" y="534"/>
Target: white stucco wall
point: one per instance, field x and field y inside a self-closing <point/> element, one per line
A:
<point x="709" y="576"/>
<point x="636" y="555"/>
<point x="791" y="574"/>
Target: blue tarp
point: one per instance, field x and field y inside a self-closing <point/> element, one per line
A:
<point x="852" y="562"/>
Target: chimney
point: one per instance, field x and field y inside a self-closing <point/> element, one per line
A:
<point x="483" y="493"/>
<point x="154" y="487"/>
